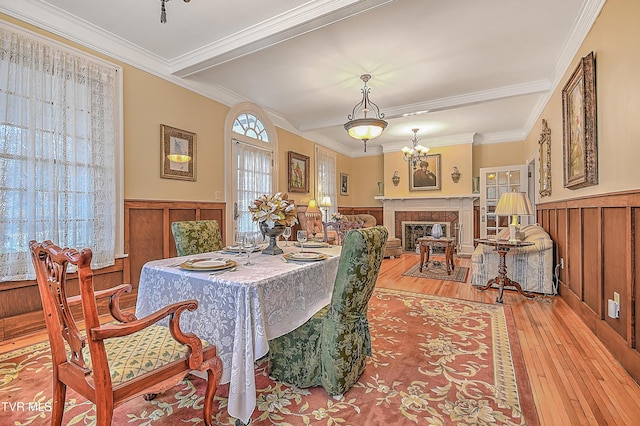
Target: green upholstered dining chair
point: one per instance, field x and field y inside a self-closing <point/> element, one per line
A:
<point x="196" y="236"/>
<point x="331" y="348"/>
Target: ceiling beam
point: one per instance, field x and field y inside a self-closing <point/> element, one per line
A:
<point x="293" y="23"/>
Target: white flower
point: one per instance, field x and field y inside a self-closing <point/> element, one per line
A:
<point x="274" y="210"/>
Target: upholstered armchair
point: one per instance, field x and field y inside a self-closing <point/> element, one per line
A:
<point x="196" y="236"/>
<point x="530" y="266"/>
<point x="109" y="364"/>
<point x="331" y="348"/>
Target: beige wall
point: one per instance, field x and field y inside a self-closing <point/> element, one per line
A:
<point x="150" y="101"/>
<point x="454" y="155"/>
<point x="613" y="39"/>
<point x="498" y="154"/>
<point x="364" y="175"/>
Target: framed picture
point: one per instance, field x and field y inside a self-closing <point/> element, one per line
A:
<point x="178" y="153"/>
<point x="298" y="174"/>
<point x="580" y="151"/>
<point x="344" y="184"/>
<point x="425" y="176"/>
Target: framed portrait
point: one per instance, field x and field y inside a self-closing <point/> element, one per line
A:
<point x="580" y="151"/>
<point x="425" y="176"/>
<point x="344" y="184"/>
<point x="298" y="174"/>
<point x="178" y="153"/>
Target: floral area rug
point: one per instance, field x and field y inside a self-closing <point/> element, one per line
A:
<point x="459" y="274"/>
<point x="436" y="361"/>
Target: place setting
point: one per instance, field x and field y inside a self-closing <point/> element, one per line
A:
<point x="208" y="264"/>
<point x="304" y="256"/>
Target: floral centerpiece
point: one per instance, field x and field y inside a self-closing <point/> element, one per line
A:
<point x="337" y="216"/>
<point x="273" y="214"/>
<point x="274" y="210"/>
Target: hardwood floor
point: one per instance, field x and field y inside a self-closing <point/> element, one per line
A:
<point x="575" y="381"/>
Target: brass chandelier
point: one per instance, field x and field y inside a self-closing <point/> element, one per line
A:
<point x="416" y="153"/>
<point x="365" y="128"/>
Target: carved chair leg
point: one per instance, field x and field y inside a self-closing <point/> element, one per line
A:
<point x="150" y="396"/>
<point x="104" y="412"/>
<point x="59" y="395"/>
<point x="214" y="374"/>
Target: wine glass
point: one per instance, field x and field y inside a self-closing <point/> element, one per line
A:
<point x="301" y="236"/>
<point x="249" y="244"/>
<point x="239" y="242"/>
<point x="286" y="234"/>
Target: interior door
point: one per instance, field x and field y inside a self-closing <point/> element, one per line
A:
<point x="495" y="181"/>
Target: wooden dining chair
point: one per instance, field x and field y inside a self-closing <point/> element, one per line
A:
<point x="112" y="363"/>
<point x="331" y="348"/>
<point x="196" y="236"/>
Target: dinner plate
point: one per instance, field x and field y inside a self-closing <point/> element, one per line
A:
<point x="305" y="256"/>
<point x="237" y="249"/>
<point x="313" y="244"/>
<point x="207" y="264"/>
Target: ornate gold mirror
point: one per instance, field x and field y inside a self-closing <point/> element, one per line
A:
<point x="545" y="159"/>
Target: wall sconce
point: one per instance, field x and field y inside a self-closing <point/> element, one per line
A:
<point x="395" y="178"/>
<point x="455" y="174"/>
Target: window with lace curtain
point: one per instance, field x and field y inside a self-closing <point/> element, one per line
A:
<point x="326" y="181"/>
<point x="254" y="180"/>
<point x="59" y="151"/>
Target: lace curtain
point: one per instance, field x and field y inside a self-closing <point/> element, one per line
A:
<point x="326" y="180"/>
<point x="57" y="152"/>
<point x="254" y="180"/>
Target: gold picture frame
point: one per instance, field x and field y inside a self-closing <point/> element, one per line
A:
<point x="545" y="159"/>
<point x="579" y="119"/>
<point x="298" y="172"/>
<point x="344" y="184"/>
<point x="425" y="178"/>
<point x="178" y="148"/>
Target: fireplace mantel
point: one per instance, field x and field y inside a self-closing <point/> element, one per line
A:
<point x="462" y="204"/>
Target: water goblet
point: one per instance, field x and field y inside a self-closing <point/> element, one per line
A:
<point x="249" y="244"/>
<point x="239" y="242"/>
<point x="302" y="238"/>
<point x="286" y="234"/>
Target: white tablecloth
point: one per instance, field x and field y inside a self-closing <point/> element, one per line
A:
<point x="240" y="311"/>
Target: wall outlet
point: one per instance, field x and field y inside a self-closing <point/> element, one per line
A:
<point x="562" y="263"/>
<point x="616" y="297"/>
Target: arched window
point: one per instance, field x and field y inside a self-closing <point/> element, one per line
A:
<point x="252" y="171"/>
<point x="249" y="125"/>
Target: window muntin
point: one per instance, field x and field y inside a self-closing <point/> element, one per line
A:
<point x="249" y="125"/>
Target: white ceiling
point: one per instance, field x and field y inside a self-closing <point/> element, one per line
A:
<point x="483" y="69"/>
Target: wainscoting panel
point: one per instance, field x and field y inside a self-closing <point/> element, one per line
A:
<point x="616" y="252"/>
<point x="148" y="229"/>
<point x="592" y="259"/>
<point x="573" y="246"/>
<point x="596" y="237"/>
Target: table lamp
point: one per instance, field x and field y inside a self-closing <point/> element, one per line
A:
<point x="325" y="203"/>
<point x="514" y="204"/>
<point x="313" y="212"/>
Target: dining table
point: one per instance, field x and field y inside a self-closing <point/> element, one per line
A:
<point x="241" y="307"/>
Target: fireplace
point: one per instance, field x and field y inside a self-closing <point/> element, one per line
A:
<point x="454" y="211"/>
<point x="411" y="231"/>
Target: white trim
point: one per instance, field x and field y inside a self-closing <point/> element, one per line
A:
<point x="229" y="136"/>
